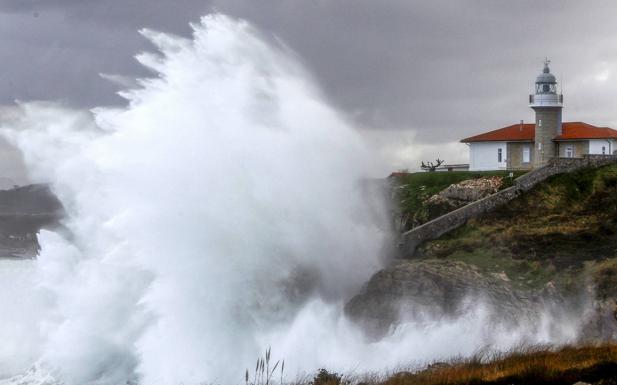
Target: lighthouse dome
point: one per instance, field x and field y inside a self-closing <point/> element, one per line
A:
<point x="546" y="76"/>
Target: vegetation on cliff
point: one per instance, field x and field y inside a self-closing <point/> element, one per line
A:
<point x="556" y="242"/>
<point x="563" y="227"/>
<point x="412" y="192"/>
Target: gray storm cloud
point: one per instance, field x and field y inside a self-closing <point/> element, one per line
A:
<point x="436" y="71"/>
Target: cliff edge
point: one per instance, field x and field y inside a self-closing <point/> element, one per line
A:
<point x="555" y="246"/>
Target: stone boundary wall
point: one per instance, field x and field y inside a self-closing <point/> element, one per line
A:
<point x="454" y="219"/>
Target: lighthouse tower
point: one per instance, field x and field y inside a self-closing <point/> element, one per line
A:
<point x="547" y="104"/>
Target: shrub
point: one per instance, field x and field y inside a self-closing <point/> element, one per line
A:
<point x="324" y="377"/>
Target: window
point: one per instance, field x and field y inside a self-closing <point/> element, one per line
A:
<point x="603" y="150"/>
<point x="499" y="155"/>
<point x="569" y="151"/>
<point x="526" y="154"/>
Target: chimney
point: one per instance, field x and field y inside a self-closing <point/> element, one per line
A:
<point x="521" y="128"/>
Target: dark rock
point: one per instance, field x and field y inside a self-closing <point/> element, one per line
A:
<point x="24" y="211"/>
<point x="433" y="289"/>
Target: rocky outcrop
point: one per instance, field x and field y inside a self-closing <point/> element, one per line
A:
<point x="600" y="321"/>
<point x="436" y="289"/>
<point x="462" y="193"/>
<point x="426" y="290"/>
<point x="469" y="190"/>
<point x="601" y="317"/>
<point x="449" y="199"/>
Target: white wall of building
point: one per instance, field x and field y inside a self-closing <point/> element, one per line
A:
<point x="595" y="146"/>
<point x="485" y="156"/>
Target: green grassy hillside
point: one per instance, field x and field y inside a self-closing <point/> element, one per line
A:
<point x="566" y="224"/>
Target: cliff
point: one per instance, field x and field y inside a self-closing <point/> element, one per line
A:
<point x="556" y="243"/>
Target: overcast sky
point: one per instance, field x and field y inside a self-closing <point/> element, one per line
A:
<point x="415" y="76"/>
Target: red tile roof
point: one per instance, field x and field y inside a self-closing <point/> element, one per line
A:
<point x="526" y="133"/>
<point x="580" y="130"/>
<point x="516" y="132"/>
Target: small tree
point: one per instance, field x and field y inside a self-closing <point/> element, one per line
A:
<point x="430" y="166"/>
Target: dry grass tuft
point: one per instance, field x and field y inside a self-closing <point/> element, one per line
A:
<point x="532" y="365"/>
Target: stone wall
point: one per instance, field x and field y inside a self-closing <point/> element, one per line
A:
<point x="580" y="147"/>
<point x="448" y="222"/>
<point x="515" y="155"/>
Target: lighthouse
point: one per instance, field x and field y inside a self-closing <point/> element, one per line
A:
<point x="547" y="104"/>
<point x="525" y="146"/>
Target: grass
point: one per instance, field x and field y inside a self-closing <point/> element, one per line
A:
<point x="538" y="365"/>
<point x="414" y="189"/>
<point x="487" y="249"/>
<point x="265" y="373"/>
<point x="522" y="273"/>
<point x="562" y="232"/>
<point x="532" y="365"/>
<point x="564" y="222"/>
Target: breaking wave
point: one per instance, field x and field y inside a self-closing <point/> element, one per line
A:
<point x="220" y="212"/>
